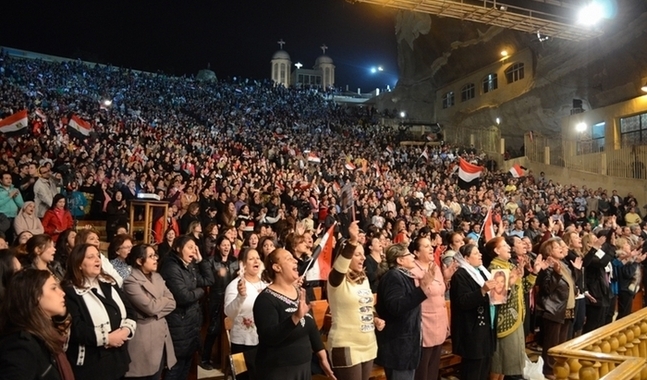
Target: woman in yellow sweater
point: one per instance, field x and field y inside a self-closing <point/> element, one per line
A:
<point x="351" y="342"/>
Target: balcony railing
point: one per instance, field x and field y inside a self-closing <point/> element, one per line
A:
<point x="615" y="351"/>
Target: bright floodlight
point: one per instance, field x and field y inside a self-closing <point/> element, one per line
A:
<point x="644" y="88"/>
<point x="498" y="121"/>
<point x="380" y="68"/>
<point x="590" y="14"/>
<point x="107" y="102"/>
<point x="402" y="114"/>
<point x="580" y="127"/>
<point x="373" y="70"/>
<point x="504" y="53"/>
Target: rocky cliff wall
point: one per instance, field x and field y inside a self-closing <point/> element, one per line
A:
<point x="434" y="51"/>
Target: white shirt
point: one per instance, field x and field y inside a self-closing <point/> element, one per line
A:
<point x="241" y="311"/>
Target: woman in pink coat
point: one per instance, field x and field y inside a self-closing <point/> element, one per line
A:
<point x="435" y="322"/>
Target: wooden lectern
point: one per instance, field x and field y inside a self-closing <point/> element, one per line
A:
<point x="148" y="206"/>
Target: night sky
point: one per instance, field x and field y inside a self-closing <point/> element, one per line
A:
<point x="238" y="37"/>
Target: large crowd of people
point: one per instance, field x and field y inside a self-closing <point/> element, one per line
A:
<point x="254" y="174"/>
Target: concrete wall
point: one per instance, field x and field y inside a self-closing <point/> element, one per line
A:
<point x="566" y="176"/>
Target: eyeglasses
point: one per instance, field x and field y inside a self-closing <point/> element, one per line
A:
<point x="407" y="254"/>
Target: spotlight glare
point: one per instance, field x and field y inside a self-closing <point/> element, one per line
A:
<point x="373" y="70"/>
<point x="580" y="127"/>
<point x="107" y="102"/>
<point x="403" y="114"/>
<point x="380" y="68"/>
<point x="504" y="53"/>
<point x="590" y="14"/>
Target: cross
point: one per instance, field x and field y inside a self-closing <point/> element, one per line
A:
<point x="324" y="48"/>
<point x="298" y="65"/>
<point x="281" y="43"/>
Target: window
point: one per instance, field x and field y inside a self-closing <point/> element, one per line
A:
<point x="467" y="92"/>
<point x="514" y="72"/>
<point x="633" y="130"/>
<point x="300" y="80"/>
<point x="593" y="143"/>
<point x="490" y="83"/>
<point x="448" y="99"/>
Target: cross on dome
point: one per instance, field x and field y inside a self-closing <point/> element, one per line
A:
<point x="324" y="48"/>
<point x="281" y="43"/>
<point x="298" y="65"/>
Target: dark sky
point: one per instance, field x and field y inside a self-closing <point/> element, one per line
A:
<point x="238" y="37"/>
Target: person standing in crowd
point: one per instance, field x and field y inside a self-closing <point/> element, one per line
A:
<point x="185" y="274"/>
<point x="373" y="261"/>
<point x="555" y="298"/>
<point x="351" y="341"/>
<point x="118" y="251"/>
<point x="117" y="214"/>
<point x="152" y="347"/>
<point x="628" y="273"/>
<point x="435" y="320"/>
<point x="10" y="201"/>
<point x="240" y="295"/>
<point x="9" y="265"/>
<point x="224" y="267"/>
<point x="398" y="304"/>
<point x="31" y="342"/>
<point x="287" y="334"/>
<point x="598" y="291"/>
<point x="88" y="236"/>
<point x="58" y="218"/>
<point x="64" y="246"/>
<point x="473" y="319"/>
<point x="509" y="357"/>
<point x="45" y="189"/>
<point x="26" y="220"/>
<point x="103" y="320"/>
<point x="40" y="255"/>
<point x="166" y="247"/>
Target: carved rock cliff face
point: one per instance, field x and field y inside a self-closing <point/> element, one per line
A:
<point x="433" y="52"/>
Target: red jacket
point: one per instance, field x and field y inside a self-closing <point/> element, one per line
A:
<point x="57" y="221"/>
<point x="159" y="229"/>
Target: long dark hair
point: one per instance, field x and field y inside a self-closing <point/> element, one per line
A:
<point x="138" y="253"/>
<point x="74" y="275"/>
<point x="57" y="198"/>
<point x="7" y="270"/>
<point x="21" y="309"/>
<point x="36" y="241"/>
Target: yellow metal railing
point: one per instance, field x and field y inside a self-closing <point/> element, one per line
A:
<point x="615" y="351"/>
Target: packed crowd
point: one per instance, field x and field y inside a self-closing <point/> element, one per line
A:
<point x="254" y="174"/>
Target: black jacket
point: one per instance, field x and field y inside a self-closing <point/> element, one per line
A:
<point x="595" y="277"/>
<point x="217" y="290"/>
<point x="398" y="303"/>
<point x="25" y="357"/>
<point x="186" y="283"/>
<point x="471" y="326"/>
<point x="553" y="294"/>
<point x="88" y="357"/>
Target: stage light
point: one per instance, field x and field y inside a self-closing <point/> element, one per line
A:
<point x="403" y="114"/>
<point x="580" y="127"/>
<point x="373" y="70"/>
<point x="107" y="102"/>
<point x="590" y="14"/>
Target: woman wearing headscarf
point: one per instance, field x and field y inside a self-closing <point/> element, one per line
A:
<point x="472" y="316"/>
<point x="398" y="304"/>
<point x="26" y="220"/>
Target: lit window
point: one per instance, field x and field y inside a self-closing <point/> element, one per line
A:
<point x="514" y="72"/>
<point x="467" y="92"/>
<point x="448" y="99"/>
<point x="490" y="83"/>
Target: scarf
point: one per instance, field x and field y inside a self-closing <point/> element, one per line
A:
<point x="511" y="313"/>
<point x="30" y="223"/>
<point x="477" y="275"/>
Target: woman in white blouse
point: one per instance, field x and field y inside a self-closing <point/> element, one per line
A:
<point x="240" y="295"/>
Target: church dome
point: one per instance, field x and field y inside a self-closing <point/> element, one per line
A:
<point x="323" y="59"/>
<point x="281" y="54"/>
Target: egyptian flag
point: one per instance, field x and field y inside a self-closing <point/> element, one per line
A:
<point x="468" y="174"/>
<point x="16" y="123"/>
<point x="322" y="256"/>
<point x="350" y="166"/>
<point x="76" y="125"/>
<point x="312" y="157"/>
<point x="516" y="170"/>
<point x="488" y="226"/>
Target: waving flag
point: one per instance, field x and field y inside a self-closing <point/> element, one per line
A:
<point x="349" y="166"/>
<point x="312" y="157"/>
<point x="516" y="170"/>
<point x="468" y="174"/>
<point x="79" y="125"/>
<point x="322" y="257"/>
<point x="14" y="123"/>
<point x="488" y="226"/>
